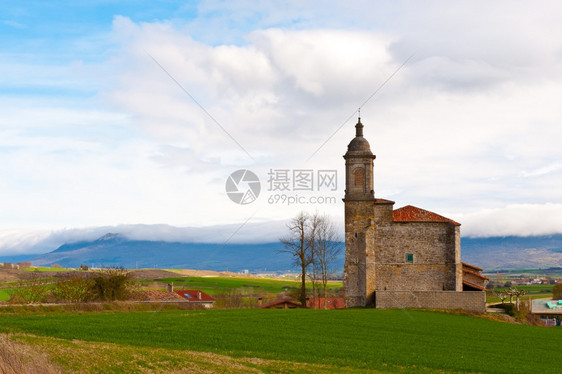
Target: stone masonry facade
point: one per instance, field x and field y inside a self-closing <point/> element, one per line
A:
<point x="467" y="300"/>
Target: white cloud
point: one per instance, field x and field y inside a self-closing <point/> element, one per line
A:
<point x="18" y="241"/>
<point x="471" y="123"/>
<point x="516" y="219"/>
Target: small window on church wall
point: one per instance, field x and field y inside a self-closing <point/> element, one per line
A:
<point x="410" y="257"/>
<point x="358" y="176"/>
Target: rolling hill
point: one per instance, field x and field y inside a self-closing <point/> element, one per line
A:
<point x="115" y="249"/>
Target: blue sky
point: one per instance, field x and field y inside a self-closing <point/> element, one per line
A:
<point x="96" y="132"/>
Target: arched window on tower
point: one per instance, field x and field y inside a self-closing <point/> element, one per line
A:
<point x="358" y="177"/>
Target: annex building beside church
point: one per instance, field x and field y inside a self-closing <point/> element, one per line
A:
<point x="401" y="258"/>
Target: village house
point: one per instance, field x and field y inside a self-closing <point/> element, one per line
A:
<point x="194" y="297"/>
<point x="549" y="310"/>
<point x="282" y="304"/>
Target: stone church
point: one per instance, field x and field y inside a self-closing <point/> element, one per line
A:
<point x="400" y="258"/>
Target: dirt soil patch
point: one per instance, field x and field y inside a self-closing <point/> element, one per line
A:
<point x="210" y="273"/>
<point x="13" y="275"/>
<point x="151" y="274"/>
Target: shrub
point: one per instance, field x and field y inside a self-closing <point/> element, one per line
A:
<point x="74" y="288"/>
<point x="32" y="292"/>
<point x="509" y="308"/>
<point x="112" y="284"/>
<point x="557" y="291"/>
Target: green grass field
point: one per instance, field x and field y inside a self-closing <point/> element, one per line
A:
<point x="46" y="269"/>
<point x="535" y="291"/>
<point x="341" y="340"/>
<point x="222" y="285"/>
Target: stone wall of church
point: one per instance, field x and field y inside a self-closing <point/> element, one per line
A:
<point x="358" y="237"/>
<point x="472" y="300"/>
<point x="417" y="256"/>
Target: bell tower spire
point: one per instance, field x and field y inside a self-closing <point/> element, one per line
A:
<point x="359" y="218"/>
<point x="359" y="128"/>
<point x="359" y="167"/>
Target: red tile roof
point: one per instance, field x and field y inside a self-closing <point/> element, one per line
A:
<point x="473" y="285"/>
<point x="383" y="201"/>
<point x="464" y="264"/>
<point x="411" y="213"/>
<point x="156" y="296"/>
<point x="290" y="303"/>
<point x="195" y="296"/>
<point x="331" y="303"/>
<point x="475" y="274"/>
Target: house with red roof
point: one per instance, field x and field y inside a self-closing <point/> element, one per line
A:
<point x="282" y="304"/>
<point x="195" y="297"/>
<point x="401" y="258"/>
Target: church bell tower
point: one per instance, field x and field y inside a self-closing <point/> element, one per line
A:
<point x="359" y="204"/>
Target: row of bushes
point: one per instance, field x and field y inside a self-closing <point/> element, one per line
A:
<point x="107" y="285"/>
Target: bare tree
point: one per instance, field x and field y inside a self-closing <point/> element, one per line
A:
<point x="297" y="244"/>
<point x="502" y="295"/>
<point x="517" y="293"/>
<point x="327" y="247"/>
<point x="312" y="236"/>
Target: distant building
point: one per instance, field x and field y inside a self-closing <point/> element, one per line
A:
<point x="549" y="310"/>
<point x="282" y="304"/>
<point x="403" y="258"/>
<point x="9" y="265"/>
<point x="195" y="297"/>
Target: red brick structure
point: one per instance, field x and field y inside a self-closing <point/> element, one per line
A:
<point x="326" y="303"/>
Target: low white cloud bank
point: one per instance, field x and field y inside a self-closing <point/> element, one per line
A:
<point x="514" y="220"/>
<point x="42" y="241"/>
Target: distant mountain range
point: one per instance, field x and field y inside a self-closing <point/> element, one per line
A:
<point x="513" y="252"/>
<point x="116" y="250"/>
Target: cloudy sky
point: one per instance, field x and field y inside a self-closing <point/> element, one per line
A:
<point x="119" y="113"/>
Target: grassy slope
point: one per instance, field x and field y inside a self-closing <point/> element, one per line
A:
<point x="47" y="269"/>
<point x="221" y="285"/>
<point x="77" y="356"/>
<point x="358" y="338"/>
